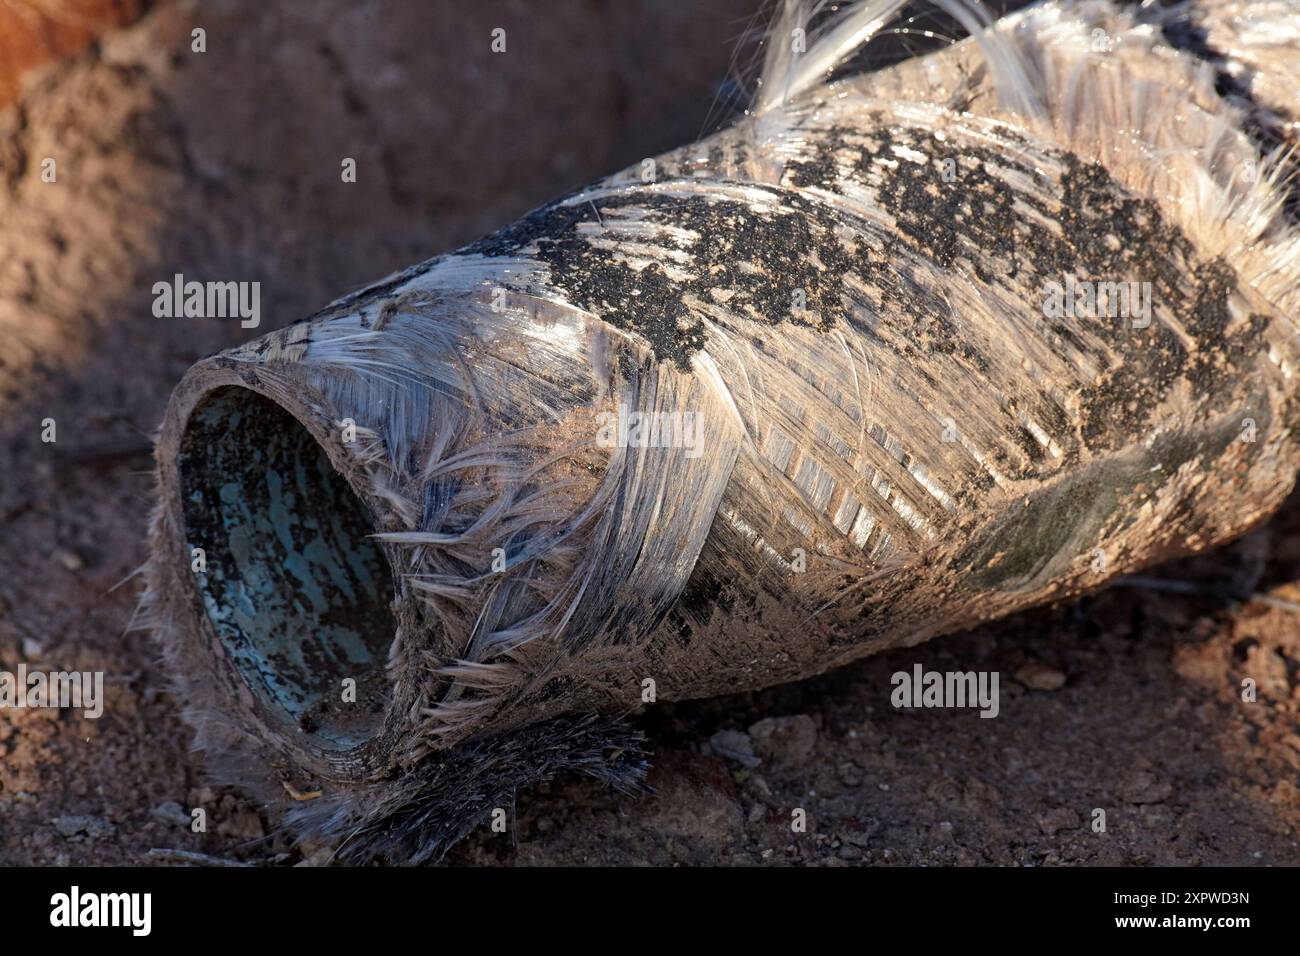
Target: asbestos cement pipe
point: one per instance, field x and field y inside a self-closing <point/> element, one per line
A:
<point x="897" y="353"/>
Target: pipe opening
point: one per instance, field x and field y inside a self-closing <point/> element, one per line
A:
<point x="297" y="593"/>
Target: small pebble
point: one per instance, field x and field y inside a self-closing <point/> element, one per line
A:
<point x="736" y="746"/>
<point x="75" y="825"/>
<point x="1142" y="787"/>
<point x="1057" y="819"/>
<point x="172" y="813"/>
<point x="1040" y="677"/>
<point x="69" y="559"/>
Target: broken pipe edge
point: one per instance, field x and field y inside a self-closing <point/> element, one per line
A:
<point x="361" y="801"/>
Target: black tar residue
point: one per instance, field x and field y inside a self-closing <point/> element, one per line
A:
<point x="1107" y="234"/>
<point x="765" y="259"/>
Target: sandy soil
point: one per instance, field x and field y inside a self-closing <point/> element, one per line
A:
<point x="225" y="164"/>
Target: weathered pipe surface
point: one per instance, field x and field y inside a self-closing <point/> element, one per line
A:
<point x="920" y="348"/>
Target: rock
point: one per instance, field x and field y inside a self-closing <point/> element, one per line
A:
<point x="69" y="559"/>
<point x="850" y="774"/>
<point x="736" y="746"/>
<point x="1037" y="676"/>
<point x="76" y="825"/>
<point x="171" y="813"/>
<point x="245" y="825"/>
<point x="1143" y="787"/>
<point x="758" y="787"/>
<point x="787" y="741"/>
<point x="1057" y="819"/>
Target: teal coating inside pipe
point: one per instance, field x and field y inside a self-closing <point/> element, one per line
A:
<point x="296" y="590"/>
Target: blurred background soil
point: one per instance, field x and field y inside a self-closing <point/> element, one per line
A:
<point x="226" y="165"/>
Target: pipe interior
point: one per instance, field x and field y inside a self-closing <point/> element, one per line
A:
<point x="297" y="593"/>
